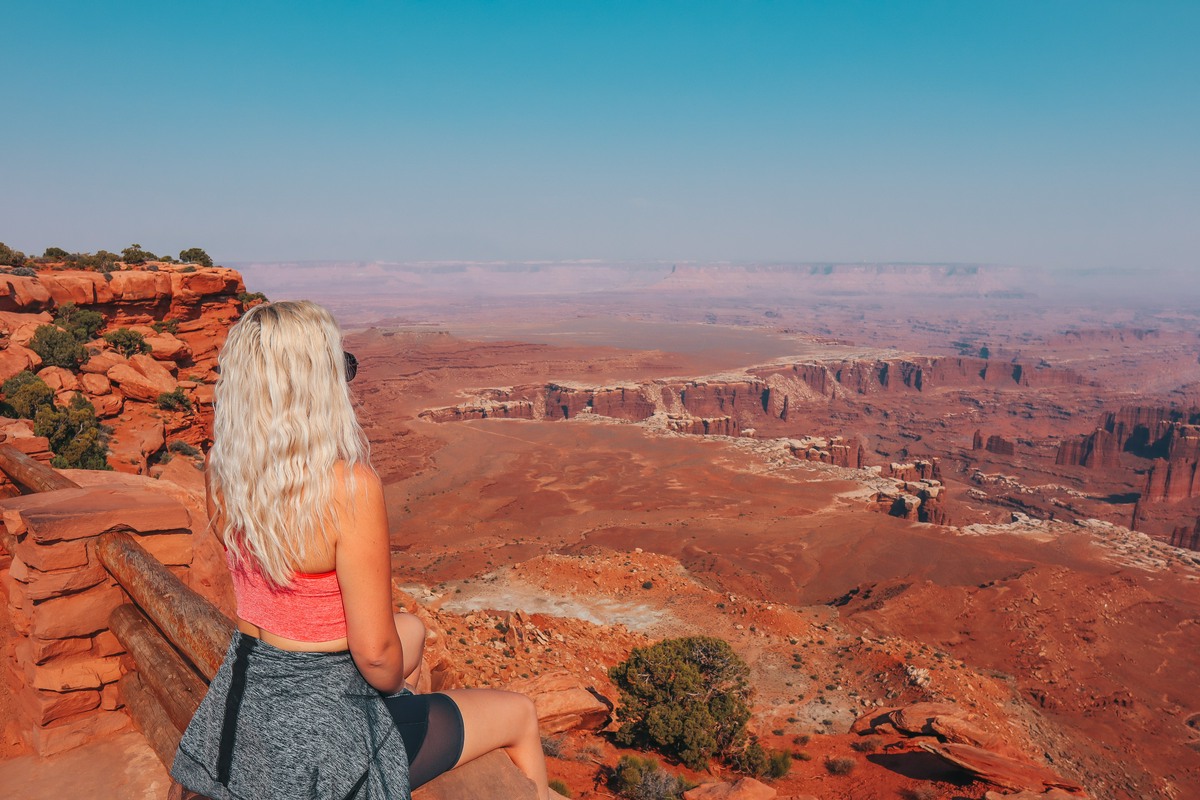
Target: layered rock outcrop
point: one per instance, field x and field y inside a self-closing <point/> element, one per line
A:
<point x="994" y="444"/>
<point x="182" y="314"/>
<point x="769" y="395"/>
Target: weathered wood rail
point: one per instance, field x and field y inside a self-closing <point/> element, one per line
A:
<point x="29" y="474"/>
<point x="175" y="636"/>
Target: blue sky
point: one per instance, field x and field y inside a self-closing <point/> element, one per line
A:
<point x="1055" y="134"/>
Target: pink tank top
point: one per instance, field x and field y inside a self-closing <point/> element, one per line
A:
<point x="308" y="610"/>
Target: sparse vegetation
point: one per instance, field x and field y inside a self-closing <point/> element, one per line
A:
<point x="645" y="779"/>
<point x="75" y="435"/>
<point x="553" y="746"/>
<point x="126" y="342"/>
<point x="135" y="254"/>
<point x="194" y="255"/>
<point x="55" y="254"/>
<point x="561" y="788"/>
<point x="251" y="298"/>
<point x="174" y="400"/>
<point x="24" y="394"/>
<point x="183" y="448"/>
<point x="868" y="744"/>
<point x="81" y="323"/>
<point x="10" y="257"/>
<point x="58" y="348"/>
<point x="780" y="764"/>
<point x="687" y="698"/>
<point x="842" y="765"/>
<point x="166" y="326"/>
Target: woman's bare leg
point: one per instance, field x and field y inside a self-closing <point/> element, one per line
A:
<point x="412" y="638"/>
<point x="498" y="720"/>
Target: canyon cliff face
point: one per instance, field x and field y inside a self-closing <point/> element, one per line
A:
<point x="1149" y="432"/>
<point x="1161" y="442"/>
<point x="183" y="314"/>
<point x="767" y="393"/>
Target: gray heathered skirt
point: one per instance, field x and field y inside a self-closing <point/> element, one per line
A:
<point x="278" y="724"/>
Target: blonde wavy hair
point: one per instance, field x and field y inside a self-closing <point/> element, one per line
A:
<point x="283" y="420"/>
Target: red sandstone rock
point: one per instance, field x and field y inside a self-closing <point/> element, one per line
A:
<point x="44" y="707"/>
<point x="21" y="327"/>
<point x="108" y="405"/>
<point x="998" y="770"/>
<point x="19" y="293"/>
<point x="166" y="347"/>
<point x="79" y="287"/>
<point x="102" y="361"/>
<point x="75" y="614"/>
<point x="1186" y="537"/>
<point x="492" y="775"/>
<point x="563" y="702"/>
<point x="182" y="471"/>
<point x="918" y="718"/>
<point x="73" y="733"/>
<point x="95" y="385"/>
<point x="1049" y="794"/>
<point x="135" y="285"/>
<point x="59" y="379"/>
<point x="68" y="514"/>
<point x="136" y="384"/>
<point x="15" y="358"/>
<point x="741" y="789"/>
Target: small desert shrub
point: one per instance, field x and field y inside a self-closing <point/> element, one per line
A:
<point x="188" y="268"/>
<point x="780" y="764"/>
<point x="10" y="257"/>
<point x="588" y="752"/>
<point x="75" y="435"/>
<point x="101" y="261"/>
<point x="251" y="298"/>
<point x="802" y="755"/>
<point x="867" y="745"/>
<point x="24" y="394"/>
<point x="55" y="254"/>
<point x="126" y="342"/>
<point x="553" y="746"/>
<point x="81" y="323"/>
<point x="57" y="347"/>
<point x="919" y="793"/>
<point x="25" y="272"/>
<point x="194" y="255"/>
<point x="643" y="779"/>
<point x="842" y="765"/>
<point x="174" y="400"/>
<point x="183" y="448"/>
<point x="166" y="326"/>
<point x="561" y="788"/>
<point x="135" y="254"/>
<point x="688" y="698"/>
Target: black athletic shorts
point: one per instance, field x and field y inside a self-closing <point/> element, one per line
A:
<point x="432" y="729"/>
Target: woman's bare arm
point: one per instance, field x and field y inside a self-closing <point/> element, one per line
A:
<point x="364" y="569"/>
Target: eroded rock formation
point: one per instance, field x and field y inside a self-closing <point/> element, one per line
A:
<point x="182" y="314"/>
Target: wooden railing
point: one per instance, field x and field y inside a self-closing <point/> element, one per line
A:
<point x="175" y="636"/>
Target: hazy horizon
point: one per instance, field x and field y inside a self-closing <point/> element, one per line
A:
<point x="1047" y="135"/>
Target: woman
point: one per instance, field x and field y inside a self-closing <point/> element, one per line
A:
<point x="314" y="698"/>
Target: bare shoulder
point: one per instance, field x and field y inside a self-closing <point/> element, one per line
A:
<point x="366" y="486"/>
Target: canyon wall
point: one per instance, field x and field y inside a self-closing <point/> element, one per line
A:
<point x="182" y="313"/>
